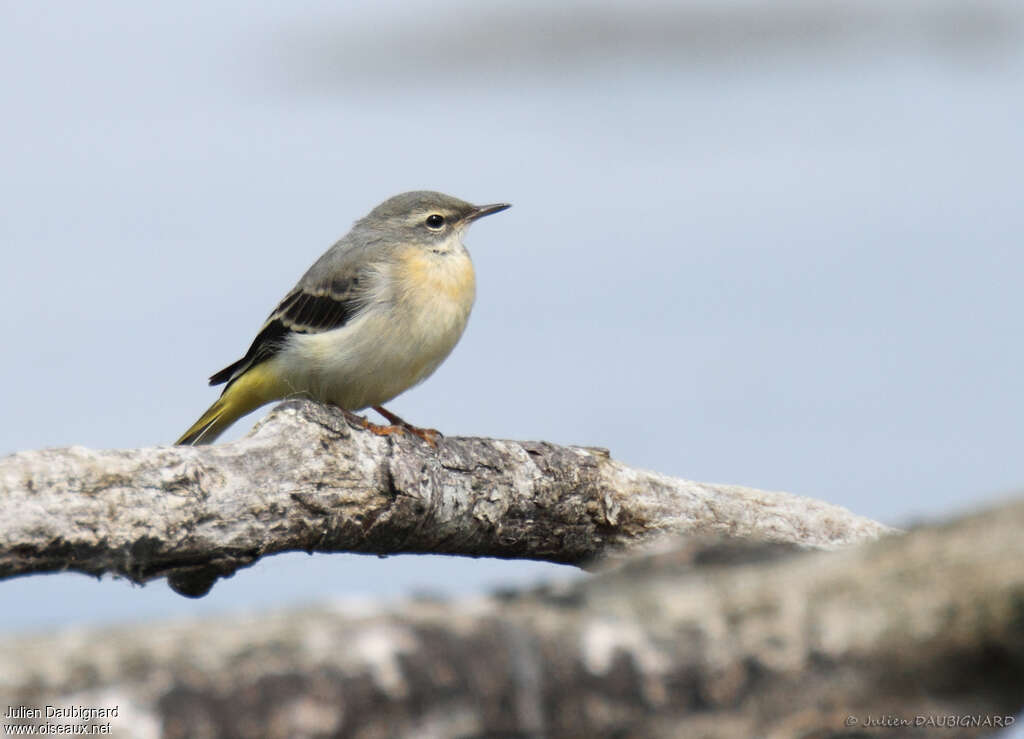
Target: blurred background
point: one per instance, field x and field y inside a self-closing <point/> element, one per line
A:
<point x="773" y="243"/>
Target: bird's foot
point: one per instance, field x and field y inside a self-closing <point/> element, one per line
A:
<point x="431" y="436"/>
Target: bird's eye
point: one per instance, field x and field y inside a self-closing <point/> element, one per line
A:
<point x="435" y="221"/>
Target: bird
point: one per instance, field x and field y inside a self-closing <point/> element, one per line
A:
<point x="375" y="315"/>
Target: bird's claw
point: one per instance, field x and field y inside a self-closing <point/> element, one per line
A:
<point x="431" y="436"/>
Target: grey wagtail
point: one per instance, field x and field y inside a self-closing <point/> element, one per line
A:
<point x="373" y="316"/>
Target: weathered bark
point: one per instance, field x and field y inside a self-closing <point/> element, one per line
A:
<point x="305" y="479"/>
<point x="923" y="628"/>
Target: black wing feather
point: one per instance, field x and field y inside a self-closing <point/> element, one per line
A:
<point x="300" y="312"/>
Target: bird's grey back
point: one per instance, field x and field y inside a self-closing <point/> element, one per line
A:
<point x="340" y="265"/>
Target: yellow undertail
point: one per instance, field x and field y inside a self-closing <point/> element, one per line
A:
<point x="257" y="386"/>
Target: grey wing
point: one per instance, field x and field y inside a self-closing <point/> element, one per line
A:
<point x="311" y="307"/>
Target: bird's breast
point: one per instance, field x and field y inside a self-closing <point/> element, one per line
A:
<point x="401" y="337"/>
<point x="438" y="285"/>
<point x="434" y="295"/>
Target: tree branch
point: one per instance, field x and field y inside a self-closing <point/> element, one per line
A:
<point x="305" y="479"/>
<point x="920" y="634"/>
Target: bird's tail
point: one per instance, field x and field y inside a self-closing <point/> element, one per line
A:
<point x="245" y="394"/>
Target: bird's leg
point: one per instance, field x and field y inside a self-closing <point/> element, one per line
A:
<point x="428" y="435"/>
<point x="395" y="420"/>
<point x="363" y="422"/>
<point x="431" y="436"/>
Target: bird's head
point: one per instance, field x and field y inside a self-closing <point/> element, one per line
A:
<point x="431" y="219"/>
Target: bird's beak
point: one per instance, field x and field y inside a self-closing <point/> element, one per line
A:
<point x="486" y="210"/>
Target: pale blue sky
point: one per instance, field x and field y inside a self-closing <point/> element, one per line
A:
<point x="784" y="255"/>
